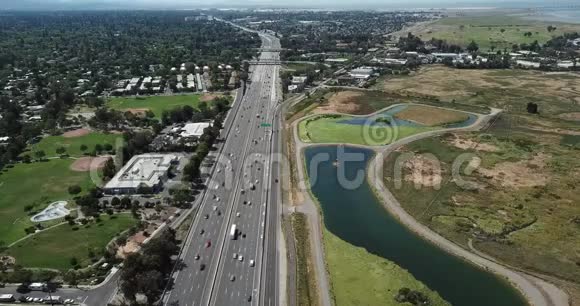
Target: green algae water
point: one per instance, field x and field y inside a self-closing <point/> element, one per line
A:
<point x="357" y="216"/>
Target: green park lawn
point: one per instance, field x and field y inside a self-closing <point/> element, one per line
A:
<point x="329" y="130"/>
<point x="156" y="104"/>
<point x="36" y="184"/>
<point x="361" y="278"/>
<point x="58" y="245"/>
<point x="73" y="145"/>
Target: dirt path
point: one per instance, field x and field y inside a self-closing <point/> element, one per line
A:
<point x="537" y="291"/>
<point x="310" y="209"/>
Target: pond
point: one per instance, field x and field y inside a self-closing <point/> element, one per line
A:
<point x="357" y="216"/>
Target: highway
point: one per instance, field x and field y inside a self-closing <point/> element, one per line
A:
<point x="239" y="192"/>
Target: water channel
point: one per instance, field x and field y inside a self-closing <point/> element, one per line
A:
<point x="358" y="217"/>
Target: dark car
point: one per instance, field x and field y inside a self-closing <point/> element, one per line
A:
<point x="201" y="267"/>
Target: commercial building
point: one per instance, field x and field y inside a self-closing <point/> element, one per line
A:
<point x="361" y="73"/>
<point x="142" y="171"/>
<point x="193" y="129"/>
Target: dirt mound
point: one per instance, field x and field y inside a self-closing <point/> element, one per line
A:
<point x="526" y="173"/>
<point x="84" y="164"/>
<point x="423" y="171"/>
<point x="341" y="102"/>
<point x="76" y="133"/>
<point x="469" y="144"/>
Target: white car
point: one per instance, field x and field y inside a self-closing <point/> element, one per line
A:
<point x="238" y="214"/>
<point x="252" y="263"/>
<point x="241" y="258"/>
<point x="235" y="255"/>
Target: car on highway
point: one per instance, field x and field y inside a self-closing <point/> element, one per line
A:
<point x="208" y="244"/>
<point x="241" y="258"/>
<point x="252" y="263"/>
<point x="232" y="278"/>
<point x="249" y="298"/>
<point x="235" y="255"/>
<point x="196" y="257"/>
<point x="201" y="231"/>
<point x="201" y="267"/>
<point x="238" y="214"/>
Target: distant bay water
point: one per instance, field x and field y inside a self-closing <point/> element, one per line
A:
<point x="567" y="16"/>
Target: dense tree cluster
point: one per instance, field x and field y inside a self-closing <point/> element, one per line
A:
<point x="148" y="271"/>
<point x="413" y="297"/>
<point x="111" y="42"/>
<point x="192" y="170"/>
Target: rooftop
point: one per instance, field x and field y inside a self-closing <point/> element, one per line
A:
<point x="194" y="129"/>
<point x="145" y="169"/>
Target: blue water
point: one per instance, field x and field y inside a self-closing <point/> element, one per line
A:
<point x="567" y="16"/>
<point x="356" y="216"/>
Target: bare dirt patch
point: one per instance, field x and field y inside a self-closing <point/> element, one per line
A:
<point x="431" y="116"/>
<point x="554" y="130"/>
<point x="527" y="173"/>
<point x="469" y="144"/>
<point x="423" y="171"/>
<point x="340" y="102"/>
<point x="571" y="116"/>
<point x="137" y="111"/>
<point x="84" y="164"/>
<point x="76" y="133"/>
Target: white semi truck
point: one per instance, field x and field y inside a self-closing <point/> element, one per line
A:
<point x="233" y="232"/>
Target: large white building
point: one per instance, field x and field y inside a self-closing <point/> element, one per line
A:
<point x="361" y="73"/>
<point x="194" y="129"/>
<point x="146" y="170"/>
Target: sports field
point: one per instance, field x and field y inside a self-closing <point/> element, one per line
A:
<point x="156" y="104"/>
<point x="58" y="245"/>
<point x="34" y="185"/>
<point x="73" y="144"/>
<point x="499" y="31"/>
<point x="329" y="129"/>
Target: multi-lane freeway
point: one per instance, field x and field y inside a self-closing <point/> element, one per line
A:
<point x="221" y="268"/>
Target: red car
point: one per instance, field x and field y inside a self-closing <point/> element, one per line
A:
<point x="208" y="244"/>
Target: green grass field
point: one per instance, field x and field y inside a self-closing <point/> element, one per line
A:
<point x="157" y="104"/>
<point x="54" y="248"/>
<point x="328" y="130"/>
<point x="361" y="278"/>
<point x="73" y="145"/>
<point x="486" y="31"/>
<point x="37" y="184"/>
<point x="306" y="288"/>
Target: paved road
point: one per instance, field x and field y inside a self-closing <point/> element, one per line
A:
<point x="238" y="194"/>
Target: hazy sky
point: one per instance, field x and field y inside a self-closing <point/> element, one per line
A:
<point x="192" y="4"/>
